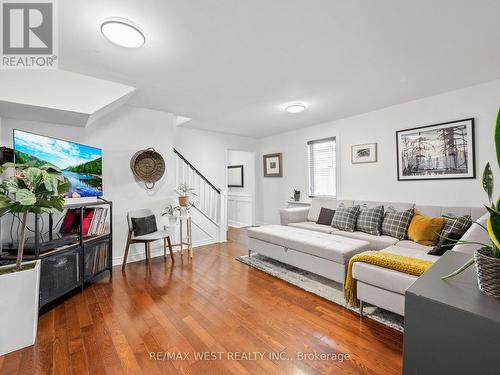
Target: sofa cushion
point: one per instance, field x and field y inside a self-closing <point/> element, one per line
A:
<point x="425" y="230"/>
<point x="413" y="245"/>
<point x="398" y="206"/>
<point x="376" y="242"/>
<point x="313" y="226"/>
<point x="325" y="216"/>
<point x="474" y="234"/>
<point x="384" y="278"/>
<point x="370" y="220"/>
<point x="396" y="223"/>
<point x="345" y="218"/>
<point x="474" y="212"/>
<point x="335" y="248"/>
<point x="318" y="203"/>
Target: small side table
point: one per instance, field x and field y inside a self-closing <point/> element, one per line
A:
<point x="188" y="241"/>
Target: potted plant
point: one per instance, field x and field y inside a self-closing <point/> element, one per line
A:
<point x="185" y="191"/>
<point x="170" y="213"/>
<point x="487" y="258"/>
<point x="296" y="195"/>
<point x="29" y="190"/>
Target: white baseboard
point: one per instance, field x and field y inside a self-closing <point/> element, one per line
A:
<point x="156" y="251"/>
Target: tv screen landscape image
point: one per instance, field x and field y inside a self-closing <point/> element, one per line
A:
<point x="80" y="164"/>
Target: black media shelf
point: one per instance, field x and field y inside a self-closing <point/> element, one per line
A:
<point x="72" y="266"/>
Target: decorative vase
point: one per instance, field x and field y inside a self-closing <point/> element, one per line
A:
<point x="19" y="294"/>
<point x="172" y="220"/>
<point x="488" y="272"/>
<point x="296" y="196"/>
<point x="184" y="201"/>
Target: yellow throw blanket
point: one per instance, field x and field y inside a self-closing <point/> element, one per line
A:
<point x="411" y="266"/>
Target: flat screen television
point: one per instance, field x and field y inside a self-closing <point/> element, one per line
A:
<point x="80" y="164"/>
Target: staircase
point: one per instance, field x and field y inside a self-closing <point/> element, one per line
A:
<point x="209" y="214"/>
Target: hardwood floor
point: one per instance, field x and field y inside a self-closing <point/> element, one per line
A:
<point x="210" y="304"/>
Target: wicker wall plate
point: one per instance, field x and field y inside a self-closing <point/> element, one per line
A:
<point x="148" y="166"/>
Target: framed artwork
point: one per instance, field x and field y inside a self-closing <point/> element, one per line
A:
<point x="436" y="152"/>
<point x="273" y="165"/>
<point x="235" y="176"/>
<point x="366" y="153"/>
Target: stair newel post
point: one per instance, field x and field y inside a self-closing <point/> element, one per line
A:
<point x="223" y="214"/>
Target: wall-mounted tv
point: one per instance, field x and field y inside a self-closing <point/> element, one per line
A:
<point x="82" y="165"/>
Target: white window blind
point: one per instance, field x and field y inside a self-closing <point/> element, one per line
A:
<point x="322" y="167"/>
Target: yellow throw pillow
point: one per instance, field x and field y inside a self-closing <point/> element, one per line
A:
<point x="425" y="230"/>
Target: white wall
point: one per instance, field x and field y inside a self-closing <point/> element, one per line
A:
<point x="378" y="181"/>
<point x="120" y="135"/>
<point x="206" y="151"/>
<point x="241" y="200"/>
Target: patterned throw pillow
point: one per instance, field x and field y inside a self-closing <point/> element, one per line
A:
<point x="345" y="218"/>
<point x="370" y="220"/>
<point x="396" y="223"/>
<point x="457" y="224"/>
<point x="453" y="230"/>
<point x="325" y="216"/>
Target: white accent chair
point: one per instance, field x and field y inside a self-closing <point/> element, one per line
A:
<point x="146" y="239"/>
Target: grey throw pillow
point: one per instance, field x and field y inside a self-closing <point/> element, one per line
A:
<point x="370" y="220"/>
<point x="144" y="225"/>
<point x="325" y="216"/>
<point x="345" y="218"/>
<point x="396" y="223"/>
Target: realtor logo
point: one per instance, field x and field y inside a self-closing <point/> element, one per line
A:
<point x="28" y="34"/>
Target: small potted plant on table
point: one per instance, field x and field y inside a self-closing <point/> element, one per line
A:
<point x="170" y="213"/>
<point x="184" y="192"/>
<point x="29" y="190"/>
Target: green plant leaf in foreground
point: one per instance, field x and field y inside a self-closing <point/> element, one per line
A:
<point x="25" y="197"/>
<point x="461" y="269"/>
<point x="488" y="181"/>
<point x="497" y="137"/>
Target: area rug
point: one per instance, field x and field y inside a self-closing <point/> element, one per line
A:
<point x="325" y="288"/>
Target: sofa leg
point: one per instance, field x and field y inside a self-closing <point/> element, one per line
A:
<point x="361" y="305"/>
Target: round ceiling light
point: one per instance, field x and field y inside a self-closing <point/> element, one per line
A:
<point x="123" y="32"/>
<point x="295" y="107"/>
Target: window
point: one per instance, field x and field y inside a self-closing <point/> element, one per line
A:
<point x="322" y="167"/>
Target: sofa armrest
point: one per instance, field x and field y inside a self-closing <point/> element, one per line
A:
<point x="293" y="215"/>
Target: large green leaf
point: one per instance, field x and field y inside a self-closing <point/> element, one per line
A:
<point x="488" y="181"/>
<point x="497" y="137"/>
<point x="64" y="186"/>
<point x="50" y="168"/>
<point x="34" y="176"/>
<point x="11" y="185"/>
<point x="25" y="197"/>
<point x="493" y="226"/>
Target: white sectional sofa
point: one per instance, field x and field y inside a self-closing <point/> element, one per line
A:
<point x="376" y="285"/>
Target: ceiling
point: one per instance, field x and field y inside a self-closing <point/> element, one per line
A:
<point x="233" y="65"/>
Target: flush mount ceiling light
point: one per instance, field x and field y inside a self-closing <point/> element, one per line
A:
<point x="123" y="32"/>
<point x="295" y="107"/>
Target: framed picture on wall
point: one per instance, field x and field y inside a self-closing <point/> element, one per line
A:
<point x="366" y="153"/>
<point x="436" y="152"/>
<point x="235" y="176"/>
<point x="273" y="165"/>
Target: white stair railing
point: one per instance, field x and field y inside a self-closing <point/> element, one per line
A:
<point x="209" y="200"/>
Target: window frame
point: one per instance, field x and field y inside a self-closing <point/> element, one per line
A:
<point x="336" y="173"/>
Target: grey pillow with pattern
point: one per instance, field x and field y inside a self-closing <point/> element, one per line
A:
<point x="370" y="220"/>
<point x="345" y="218"/>
<point x="396" y="223"/>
